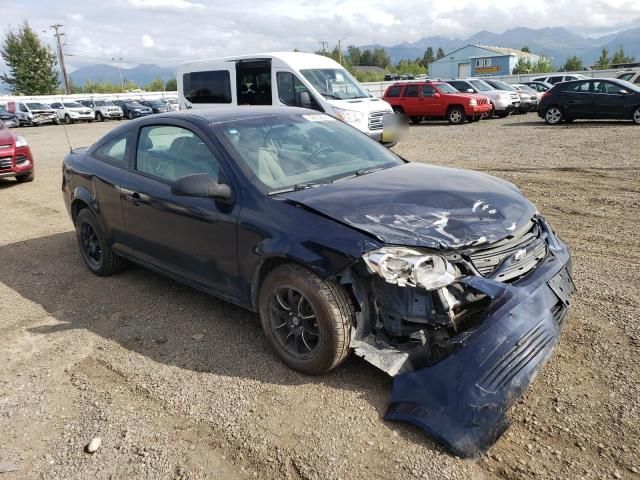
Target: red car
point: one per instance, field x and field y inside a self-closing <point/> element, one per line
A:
<point x="420" y="100"/>
<point x="15" y="156"/>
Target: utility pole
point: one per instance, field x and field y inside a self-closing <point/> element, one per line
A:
<point x="118" y="60"/>
<point x="325" y="45"/>
<point x="67" y="87"/>
<point x="340" y="51"/>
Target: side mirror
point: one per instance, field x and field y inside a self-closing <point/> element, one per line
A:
<point x="470" y="90"/>
<point x="436" y="95"/>
<point x="201" y="185"/>
<point x="624" y="92"/>
<point x="305" y="100"/>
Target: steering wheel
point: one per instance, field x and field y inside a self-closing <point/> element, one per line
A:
<point x="319" y="151"/>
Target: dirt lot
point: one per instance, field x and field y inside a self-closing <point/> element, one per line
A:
<point x="180" y="385"/>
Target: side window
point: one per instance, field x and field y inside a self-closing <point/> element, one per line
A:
<point x="598" y="87"/>
<point x="171" y="152"/>
<point x="394" y="91"/>
<point x="626" y="76"/>
<point x="114" y="151"/>
<point x="292" y="92"/>
<point x="410" y="91"/>
<point x="613" y="88"/>
<point x="637" y="80"/>
<point x="582" y="87"/>
<point x="427" y="90"/>
<point x="207" y="87"/>
<point x="555" y="80"/>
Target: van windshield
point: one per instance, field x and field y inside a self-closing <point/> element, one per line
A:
<point x="334" y="83"/>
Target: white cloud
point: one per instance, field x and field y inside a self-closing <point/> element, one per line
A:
<point x="165" y="4"/>
<point x="147" y="41"/>
<point x="76" y="17"/>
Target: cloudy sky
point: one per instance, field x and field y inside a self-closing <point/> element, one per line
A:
<point x="167" y="32"/>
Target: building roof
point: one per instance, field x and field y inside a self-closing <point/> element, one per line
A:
<point x="496" y="50"/>
<point x="368" y="68"/>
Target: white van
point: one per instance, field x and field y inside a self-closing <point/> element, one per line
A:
<point x="286" y="78"/>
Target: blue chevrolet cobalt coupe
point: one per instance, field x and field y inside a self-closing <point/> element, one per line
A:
<point x="449" y="280"/>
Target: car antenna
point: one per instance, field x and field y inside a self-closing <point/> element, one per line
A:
<point x="64" y="126"/>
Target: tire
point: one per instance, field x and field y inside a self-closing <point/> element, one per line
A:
<point x="553" y="115"/>
<point x="130" y="115"/>
<point x="636" y="116"/>
<point x="99" y="117"/>
<point x="90" y="121"/>
<point x="490" y="113"/>
<point x="398" y="109"/>
<point x="503" y="114"/>
<point x="319" y="308"/>
<point x="56" y="121"/>
<point x="29" y="177"/>
<point x="67" y="119"/>
<point x="91" y="238"/>
<point x="416" y="119"/>
<point x="456" y="116"/>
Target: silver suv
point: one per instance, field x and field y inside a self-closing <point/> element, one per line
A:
<point x="631" y="76"/>
<point x="103" y="109"/>
<point x="504" y="102"/>
<point x="553" y="79"/>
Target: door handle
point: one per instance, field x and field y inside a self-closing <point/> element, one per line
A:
<point x="134" y="198"/>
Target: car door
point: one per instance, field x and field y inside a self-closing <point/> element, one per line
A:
<point x="619" y="102"/>
<point x="578" y="100"/>
<point x="410" y="100"/>
<point x="190" y="237"/>
<point x="431" y="104"/>
<point x="601" y="100"/>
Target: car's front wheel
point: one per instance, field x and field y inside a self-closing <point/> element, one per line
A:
<point x="99" y="117"/>
<point x="553" y="115"/>
<point x="67" y="119"/>
<point x="94" y="247"/>
<point x="456" y="116"/>
<point x="306" y="320"/>
<point x="636" y="116"/>
<point x="130" y="115"/>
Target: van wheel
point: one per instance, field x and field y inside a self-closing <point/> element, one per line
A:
<point x="456" y="116"/>
<point x="306" y="320"/>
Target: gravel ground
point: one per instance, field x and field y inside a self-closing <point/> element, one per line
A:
<point x="179" y="385"/>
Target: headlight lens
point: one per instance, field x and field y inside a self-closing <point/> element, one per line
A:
<point x="349" y="116"/>
<point x="404" y="266"/>
<point x="473" y="102"/>
<point x="21" y="141"/>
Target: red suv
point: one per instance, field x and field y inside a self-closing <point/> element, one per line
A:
<point x="15" y="156"/>
<point x="420" y="100"/>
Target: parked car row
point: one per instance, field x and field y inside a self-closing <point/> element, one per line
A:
<point x="37" y="113"/>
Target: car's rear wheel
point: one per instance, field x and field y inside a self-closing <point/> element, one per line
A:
<point x="636" y="116"/>
<point x="94" y="247"/>
<point x="456" y="116"/>
<point x="29" y="177"/>
<point x="553" y="115"/>
<point x="416" y="119"/>
<point x="398" y="109"/>
<point x="306" y="320"/>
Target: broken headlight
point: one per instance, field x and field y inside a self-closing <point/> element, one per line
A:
<point x="404" y="266"/>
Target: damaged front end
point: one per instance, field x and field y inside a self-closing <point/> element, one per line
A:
<point x="463" y="332"/>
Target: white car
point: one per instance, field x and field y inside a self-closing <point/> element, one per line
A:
<point x="631" y="76"/>
<point x="103" y="109"/>
<point x="173" y="103"/>
<point x="72" y="112"/>
<point x="553" y="79"/>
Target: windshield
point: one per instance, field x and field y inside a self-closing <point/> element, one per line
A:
<point x="526" y="88"/>
<point x="481" y="85"/>
<point x="629" y="86"/>
<point x="72" y="105"/>
<point x="135" y="104"/>
<point x="291" y="152"/>
<point x="446" y="88"/>
<point x="36" y="106"/>
<point x="501" y="85"/>
<point x="335" y="83"/>
<point x="102" y="103"/>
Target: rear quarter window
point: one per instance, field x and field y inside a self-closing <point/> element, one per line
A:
<point x="394" y="91"/>
<point x="114" y="151"/>
<point x="207" y="87"/>
<point x="410" y="91"/>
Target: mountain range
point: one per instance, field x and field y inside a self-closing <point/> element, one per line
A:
<point x="140" y="75"/>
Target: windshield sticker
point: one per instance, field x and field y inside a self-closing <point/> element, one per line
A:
<point x="318" y="118"/>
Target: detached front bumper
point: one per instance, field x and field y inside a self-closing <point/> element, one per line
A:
<point x="462" y="400"/>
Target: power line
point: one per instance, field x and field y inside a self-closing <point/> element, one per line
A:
<point x="61" y="57"/>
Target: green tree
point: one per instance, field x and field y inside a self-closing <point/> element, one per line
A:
<point x="380" y="58"/>
<point x="573" y="64"/>
<point x="428" y="57"/>
<point x="366" y="58"/>
<point x="156" y="85"/>
<point x="543" y="65"/>
<point x="620" y="57"/>
<point x="32" y="66"/>
<point x="171" y="85"/>
<point x="604" y="61"/>
<point x="525" y="49"/>
<point x="440" y="53"/>
<point x="522" y="67"/>
<point x="354" y="55"/>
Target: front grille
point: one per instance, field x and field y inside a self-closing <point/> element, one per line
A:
<point x="488" y="260"/>
<point x="375" y="120"/>
<point x="6" y="163"/>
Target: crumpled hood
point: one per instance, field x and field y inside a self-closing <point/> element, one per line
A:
<point x="424" y="206"/>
